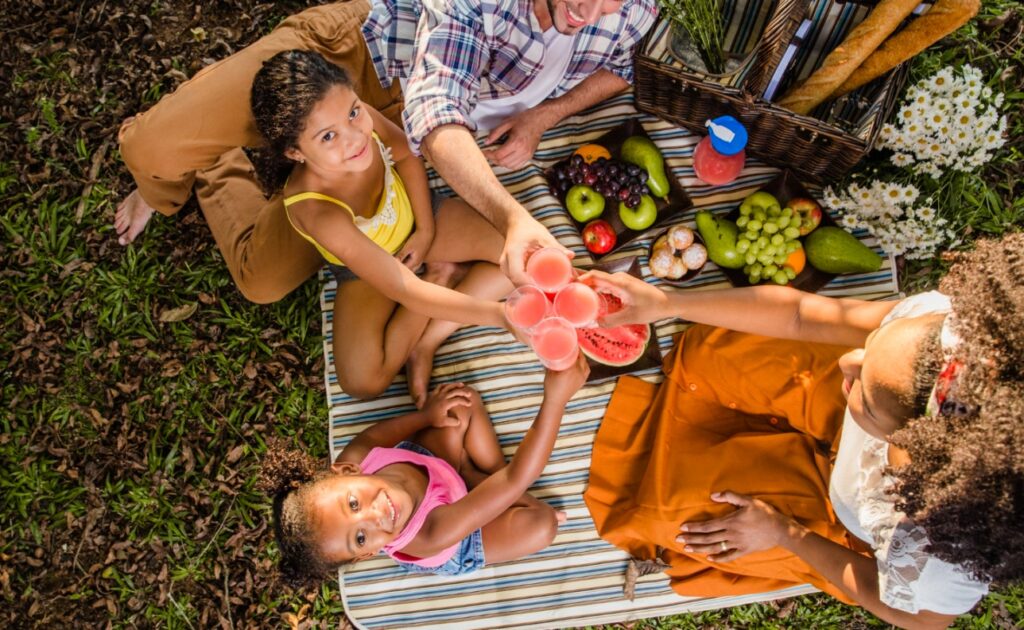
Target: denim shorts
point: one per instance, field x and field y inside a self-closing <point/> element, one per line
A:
<point x="469" y="554"/>
<point x="344" y="274"/>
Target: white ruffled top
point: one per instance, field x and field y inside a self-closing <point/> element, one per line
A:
<point x="909" y="579"/>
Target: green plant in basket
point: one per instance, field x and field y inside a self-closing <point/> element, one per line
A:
<point x="700" y="21"/>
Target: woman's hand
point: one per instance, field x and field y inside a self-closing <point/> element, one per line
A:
<point x="641" y="302"/>
<point x="754" y="526"/>
<point x="443" y="400"/>
<point x="415" y="248"/>
<point x="560" y="386"/>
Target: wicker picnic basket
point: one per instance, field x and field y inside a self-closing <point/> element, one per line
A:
<point x="822" y="146"/>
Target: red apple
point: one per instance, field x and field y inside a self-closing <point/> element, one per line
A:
<point x="599" y="237"/>
<point x="809" y="212"/>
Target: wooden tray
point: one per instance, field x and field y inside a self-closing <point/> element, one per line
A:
<point x="651" y="356"/>
<point x="786" y="187"/>
<point x="678" y="200"/>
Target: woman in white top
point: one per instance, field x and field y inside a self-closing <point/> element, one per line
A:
<point x="930" y="467"/>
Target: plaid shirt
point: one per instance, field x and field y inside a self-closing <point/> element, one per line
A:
<point x="454" y="52"/>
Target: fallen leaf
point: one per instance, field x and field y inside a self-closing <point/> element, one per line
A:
<point x="179" y="313"/>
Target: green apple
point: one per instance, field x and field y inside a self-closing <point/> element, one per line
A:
<point x="584" y="203"/>
<point x="641" y="217"/>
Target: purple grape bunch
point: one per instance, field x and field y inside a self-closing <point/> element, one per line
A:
<point x="613" y="178"/>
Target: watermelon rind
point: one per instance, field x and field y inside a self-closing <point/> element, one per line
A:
<point x="611" y="347"/>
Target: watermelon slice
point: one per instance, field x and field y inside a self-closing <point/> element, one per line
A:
<point x="616" y="347"/>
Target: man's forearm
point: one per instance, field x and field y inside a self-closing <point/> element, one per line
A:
<point x="596" y="88"/>
<point x="457" y="158"/>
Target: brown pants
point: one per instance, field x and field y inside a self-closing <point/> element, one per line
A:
<point x="193" y="136"/>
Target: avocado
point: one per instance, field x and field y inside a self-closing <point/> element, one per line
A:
<point x="639" y="150"/>
<point x="834" y="250"/>
<point x="719" y="236"/>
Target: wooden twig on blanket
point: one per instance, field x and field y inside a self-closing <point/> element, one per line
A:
<point x="637" y="569"/>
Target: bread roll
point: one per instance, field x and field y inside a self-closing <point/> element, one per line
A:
<point x="942" y="19"/>
<point x="847" y="56"/>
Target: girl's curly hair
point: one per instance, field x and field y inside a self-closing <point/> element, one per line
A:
<point x="965" y="482"/>
<point x="286" y="475"/>
<point x="284" y="92"/>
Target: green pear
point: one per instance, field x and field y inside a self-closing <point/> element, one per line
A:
<point x="641" y="151"/>
<point x="834" y="250"/>
<point x="719" y="236"/>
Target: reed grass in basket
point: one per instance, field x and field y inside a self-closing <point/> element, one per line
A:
<point x="698" y="23"/>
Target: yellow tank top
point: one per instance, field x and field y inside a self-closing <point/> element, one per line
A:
<point x="389" y="227"/>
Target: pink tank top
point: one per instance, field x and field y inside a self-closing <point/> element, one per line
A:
<point x="444" y="487"/>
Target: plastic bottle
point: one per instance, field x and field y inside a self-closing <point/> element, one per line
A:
<point x="719" y="157"/>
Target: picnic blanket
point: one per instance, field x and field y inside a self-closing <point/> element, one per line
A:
<point x="579" y="579"/>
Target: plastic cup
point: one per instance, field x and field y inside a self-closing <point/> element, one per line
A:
<point x="579" y="304"/>
<point x="526" y="307"/>
<point x="550" y="269"/>
<point x="555" y="342"/>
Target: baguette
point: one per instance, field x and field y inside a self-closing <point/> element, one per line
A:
<point x="942" y="19"/>
<point x="861" y="41"/>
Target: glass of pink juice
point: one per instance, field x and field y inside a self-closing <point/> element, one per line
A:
<point x="550" y="269"/>
<point x="526" y="307"/>
<point x="555" y="342"/>
<point x="578" y="304"/>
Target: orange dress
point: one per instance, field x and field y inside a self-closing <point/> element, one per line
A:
<point x="750" y="414"/>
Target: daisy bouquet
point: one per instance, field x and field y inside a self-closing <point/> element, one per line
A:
<point x="948" y="121"/>
<point x="891" y="213"/>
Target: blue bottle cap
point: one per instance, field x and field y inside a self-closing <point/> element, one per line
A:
<point x="728" y="135"/>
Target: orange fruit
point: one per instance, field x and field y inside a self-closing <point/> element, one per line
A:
<point x="796" y="260"/>
<point x="591" y="152"/>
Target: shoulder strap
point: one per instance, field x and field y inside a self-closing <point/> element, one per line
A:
<point x="303" y="196"/>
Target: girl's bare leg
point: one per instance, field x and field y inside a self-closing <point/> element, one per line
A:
<point x="372" y="338"/>
<point x="526" y="527"/>
<point x="484" y="281"/>
<point x="460" y="234"/>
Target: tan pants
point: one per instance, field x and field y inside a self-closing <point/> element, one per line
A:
<point x="192" y="138"/>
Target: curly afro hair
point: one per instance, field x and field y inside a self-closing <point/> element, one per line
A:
<point x="965" y="482"/>
<point x="287" y="475"/>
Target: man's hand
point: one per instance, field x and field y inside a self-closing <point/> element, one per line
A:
<point x="524" y="131"/>
<point x="442" y="402"/>
<point x="415" y="248"/>
<point x="754" y="526"/>
<point x="641" y="302"/>
<point x="523" y="237"/>
<point x="132" y="216"/>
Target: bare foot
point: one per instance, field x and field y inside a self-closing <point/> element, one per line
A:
<point x="418" y="368"/>
<point x="131" y="218"/>
<point x="445" y="274"/>
<point x="561" y="516"/>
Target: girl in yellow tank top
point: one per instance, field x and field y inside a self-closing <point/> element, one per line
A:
<point x="355" y="191"/>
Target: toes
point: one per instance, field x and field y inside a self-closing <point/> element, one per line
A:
<point x="561" y="516"/>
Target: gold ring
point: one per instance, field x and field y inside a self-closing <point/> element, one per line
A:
<point x="724" y="546"/>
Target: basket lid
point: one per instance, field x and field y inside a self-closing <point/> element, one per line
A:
<point x="728" y="135"/>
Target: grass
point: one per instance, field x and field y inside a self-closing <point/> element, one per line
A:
<point x="129" y="443"/>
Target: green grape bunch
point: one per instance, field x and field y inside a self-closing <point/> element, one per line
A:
<point x="769" y="234"/>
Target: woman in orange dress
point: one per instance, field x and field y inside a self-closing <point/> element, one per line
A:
<point x="873" y="449"/>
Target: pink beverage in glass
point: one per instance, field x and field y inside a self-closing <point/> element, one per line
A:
<point x="719" y="157"/>
<point x="578" y="304"/>
<point x="526" y="307"/>
<point x="554" y="340"/>
<point x="550" y="269"/>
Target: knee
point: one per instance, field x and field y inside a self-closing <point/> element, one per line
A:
<point x="362" y="384"/>
<point x="258" y="293"/>
<point x="543" y="526"/>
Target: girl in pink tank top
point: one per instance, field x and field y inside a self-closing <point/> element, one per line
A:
<point x="431" y="489"/>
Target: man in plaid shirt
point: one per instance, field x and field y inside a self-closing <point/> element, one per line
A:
<point x="452" y="56"/>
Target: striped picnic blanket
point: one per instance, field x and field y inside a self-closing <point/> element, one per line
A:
<point x="579" y="579"/>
